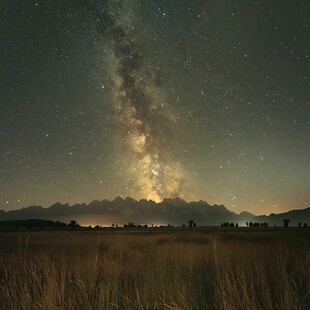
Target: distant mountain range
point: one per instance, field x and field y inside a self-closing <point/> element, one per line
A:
<point x="170" y="211"/>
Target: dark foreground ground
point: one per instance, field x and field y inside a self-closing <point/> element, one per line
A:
<point x="201" y="268"/>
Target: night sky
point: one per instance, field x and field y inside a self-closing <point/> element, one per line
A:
<point x="203" y="100"/>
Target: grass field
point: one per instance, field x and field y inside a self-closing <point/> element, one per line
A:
<point x="182" y="269"/>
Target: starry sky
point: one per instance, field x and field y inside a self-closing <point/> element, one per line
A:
<point x="203" y="100"/>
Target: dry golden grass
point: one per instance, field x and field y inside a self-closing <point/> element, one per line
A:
<point x="181" y="270"/>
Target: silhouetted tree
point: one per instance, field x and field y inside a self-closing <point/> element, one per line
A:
<point x="194" y="225"/>
<point x="285" y="222"/>
<point x="73" y="224"/>
<point x="231" y="225"/>
<point x="237" y="225"/>
<point x="190" y="223"/>
<point x="247" y="224"/>
<point x="305" y="225"/>
<point x="299" y="225"/>
<point x="251" y="224"/>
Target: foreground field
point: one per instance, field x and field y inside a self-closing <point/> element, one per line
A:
<point x="214" y="269"/>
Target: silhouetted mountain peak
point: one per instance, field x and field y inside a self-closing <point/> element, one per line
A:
<point x="246" y="214"/>
<point x="175" y="211"/>
<point x="177" y="201"/>
<point x="95" y="203"/>
<point x="59" y="205"/>
<point x="130" y="200"/>
<point x="118" y="199"/>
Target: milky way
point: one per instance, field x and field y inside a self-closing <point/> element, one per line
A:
<point x="143" y="124"/>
